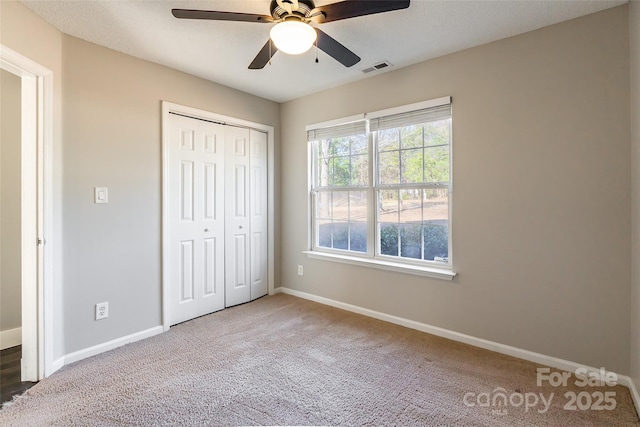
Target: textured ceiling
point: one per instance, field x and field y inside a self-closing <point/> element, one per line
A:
<point x="221" y="51"/>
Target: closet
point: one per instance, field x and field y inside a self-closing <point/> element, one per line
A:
<point x="216" y="185"/>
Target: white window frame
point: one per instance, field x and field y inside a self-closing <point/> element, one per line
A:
<point x="371" y="258"/>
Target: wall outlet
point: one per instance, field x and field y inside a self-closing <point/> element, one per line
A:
<point x="300" y="270"/>
<point x="102" y="310"/>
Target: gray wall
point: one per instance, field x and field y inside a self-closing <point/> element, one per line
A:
<point x="112" y="138"/>
<point x="541" y="207"/>
<point x="634" y="37"/>
<point x="24" y="32"/>
<point x="10" y="244"/>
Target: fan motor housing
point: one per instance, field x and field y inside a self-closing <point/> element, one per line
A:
<point x="304" y="9"/>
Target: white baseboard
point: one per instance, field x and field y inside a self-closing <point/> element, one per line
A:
<point x="10" y="338"/>
<point x="542" y="359"/>
<point x="57" y="364"/>
<point x="110" y="345"/>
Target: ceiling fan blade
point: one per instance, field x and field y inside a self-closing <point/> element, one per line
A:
<point x="220" y="16"/>
<point x="354" y="8"/>
<point x="263" y="57"/>
<point x="335" y="49"/>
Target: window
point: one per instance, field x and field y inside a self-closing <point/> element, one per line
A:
<point x="380" y="186"/>
<point x="341" y="184"/>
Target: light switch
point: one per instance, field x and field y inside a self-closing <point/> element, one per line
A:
<point x="101" y="195"/>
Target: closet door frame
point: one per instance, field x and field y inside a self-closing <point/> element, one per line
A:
<point x="169" y="107"/>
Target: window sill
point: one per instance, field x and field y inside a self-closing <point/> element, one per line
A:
<point x="433" y="272"/>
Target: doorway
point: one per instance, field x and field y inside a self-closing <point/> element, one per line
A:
<point x="10" y="237"/>
<point x="34" y="190"/>
<point x="10" y="210"/>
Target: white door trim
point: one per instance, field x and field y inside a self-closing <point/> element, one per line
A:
<point x="37" y="188"/>
<point x="169" y="107"/>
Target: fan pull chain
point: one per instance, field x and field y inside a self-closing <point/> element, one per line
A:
<point x="270" y="51"/>
<point x="317" y="51"/>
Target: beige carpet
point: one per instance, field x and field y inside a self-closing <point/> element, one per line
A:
<point x="286" y="361"/>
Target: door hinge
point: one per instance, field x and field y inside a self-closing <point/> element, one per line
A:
<point x="39" y="241"/>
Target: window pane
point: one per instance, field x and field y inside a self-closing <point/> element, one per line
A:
<point x="414" y="223"/>
<point x="436" y="164"/>
<point x="342" y="220"/>
<point x="342" y="162"/>
<point x="323" y="172"/>
<point x="340" y="147"/>
<point x="388" y="217"/>
<point x="358" y="236"/>
<point x="436" y="224"/>
<point x="436" y="241"/>
<point x="341" y="171"/>
<point x="341" y="235"/>
<point x="324" y="233"/>
<point x="340" y="205"/>
<point x="437" y="133"/>
<point x="341" y="216"/>
<point x="411" y="241"/>
<point x="389" y="169"/>
<point x="360" y="170"/>
<point x="388" y="238"/>
<point x="388" y="208"/>
<point x="330" y="171"/>
<point x="411" y="206"/>
<point x="358" y="205"/>
<point x="388" y="140"/>
<point x="423" y="156"/>
<point x="411" y="136"/>
<point x="412" y="166"/>
<point x="324" y="148"/>
<point x="323" y="208"/>
<point x="359" y="144"/>
<point x="411" y="223"/>
<point x="436" y="204"/>
<point x="358" y="221"/>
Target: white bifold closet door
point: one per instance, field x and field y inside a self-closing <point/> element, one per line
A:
<point x="218" y="223"/>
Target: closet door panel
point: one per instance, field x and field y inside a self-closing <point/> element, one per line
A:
<point x="212" y="216"/>
<point x="237" y="223"/>
<point x="195" y="218"/>
<point x="258" y="212"/>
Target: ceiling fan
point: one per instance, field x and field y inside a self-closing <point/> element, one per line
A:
<point x="293" y="33"/>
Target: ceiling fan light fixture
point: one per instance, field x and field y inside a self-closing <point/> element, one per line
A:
<point x="293" y="37"/>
